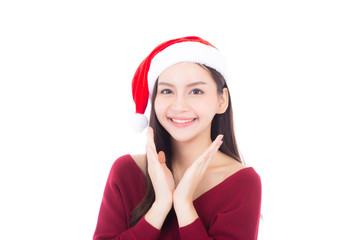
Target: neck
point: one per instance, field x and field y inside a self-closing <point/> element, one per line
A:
<point x="185" y="153"/>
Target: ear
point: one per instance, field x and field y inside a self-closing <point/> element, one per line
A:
<point x="223" y="101"/>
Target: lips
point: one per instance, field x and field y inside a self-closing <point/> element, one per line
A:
<point x="182" y="122"/>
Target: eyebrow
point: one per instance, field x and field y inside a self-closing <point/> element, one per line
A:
<point x="189" y="85"/>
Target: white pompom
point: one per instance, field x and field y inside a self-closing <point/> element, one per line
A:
<point x="139" y="122"/>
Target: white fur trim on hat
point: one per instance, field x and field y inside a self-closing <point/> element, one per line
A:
<point x="185" y="52"/>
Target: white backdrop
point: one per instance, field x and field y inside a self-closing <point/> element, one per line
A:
<point x="65" y="100"/>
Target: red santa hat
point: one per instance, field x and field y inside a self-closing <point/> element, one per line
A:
<point x="186" y="49"/>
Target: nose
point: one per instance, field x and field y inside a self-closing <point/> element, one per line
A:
<point x="180" y="104"/>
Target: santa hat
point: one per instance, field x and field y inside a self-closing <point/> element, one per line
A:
<point x="186" y="49"/>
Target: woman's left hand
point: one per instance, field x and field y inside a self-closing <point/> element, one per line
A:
<point x="184" y="192"/>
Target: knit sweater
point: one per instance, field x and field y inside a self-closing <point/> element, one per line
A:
<point x="230" y="210"/>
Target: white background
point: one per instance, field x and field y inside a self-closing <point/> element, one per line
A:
<point x="65" y="100"/>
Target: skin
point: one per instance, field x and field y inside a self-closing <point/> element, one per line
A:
<point x="186" y="90"/>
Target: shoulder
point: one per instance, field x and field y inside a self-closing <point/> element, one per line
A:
<point x="124" y="166"/>
<point x="250" y="177"/>
<point x="140" y="160"/>
<point x="225" y="166"/>
<point x="122" y="163"/>
<point x="247" y="183"/>
<point x="242" y="177"/>
<point x="243" y="173"/>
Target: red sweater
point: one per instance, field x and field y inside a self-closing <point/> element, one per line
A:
<point x="230" y="210"/>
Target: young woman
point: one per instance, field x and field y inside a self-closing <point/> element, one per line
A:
<point x="192" y="183"/>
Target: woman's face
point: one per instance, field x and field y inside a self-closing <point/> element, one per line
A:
<point x="187" y="101"/>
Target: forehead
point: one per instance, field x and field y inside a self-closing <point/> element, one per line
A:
<point x="185" y="73"/>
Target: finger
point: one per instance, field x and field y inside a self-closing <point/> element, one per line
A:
<point x="211" y="151"/>
<point x="150" y="135"/>
<point x="216" y="141"/>
<point x="150" y="138"/>
<point x="209" y="157"/>
<point x="150" y="150"/>
<point x="215" y="145"/>
<point x="161" y="156"/>
<point x="150" y="153"/>
<point x="201" y="163"/>
<point x="151" y="145"/>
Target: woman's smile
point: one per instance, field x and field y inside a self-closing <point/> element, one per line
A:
<point x="182" y="122"/>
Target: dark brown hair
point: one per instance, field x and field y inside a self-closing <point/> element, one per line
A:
<point x="221" y="124"/>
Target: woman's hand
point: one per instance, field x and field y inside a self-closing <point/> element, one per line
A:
<point x="161" y="177"/>
<point x="184" y="192"/>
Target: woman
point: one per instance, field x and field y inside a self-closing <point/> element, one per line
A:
<point x="192" y="183"/>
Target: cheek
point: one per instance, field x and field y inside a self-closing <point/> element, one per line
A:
<point x="160" y="107"/>
<point x="207" y="104"/>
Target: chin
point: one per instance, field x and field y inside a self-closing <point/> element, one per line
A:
<point x="182" y="137"/>
<point x="186" y="132"/>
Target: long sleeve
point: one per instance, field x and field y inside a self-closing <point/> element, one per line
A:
<point x="239" y="220"/>
<point x="113" y="219"/>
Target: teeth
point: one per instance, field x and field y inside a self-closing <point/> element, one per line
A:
<point x="182" y="121"/>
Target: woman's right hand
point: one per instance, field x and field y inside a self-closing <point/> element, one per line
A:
<point x="160" y="175"/>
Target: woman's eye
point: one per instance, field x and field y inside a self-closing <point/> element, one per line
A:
<point x="196" y="91"/>
<point x="166" y="91"/>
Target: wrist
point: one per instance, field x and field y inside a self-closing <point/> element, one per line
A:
<point x="157" y="214"/>
<point x="185" y="213"/>
<point x="183" y="205"/>
<point x="162" y="207"/>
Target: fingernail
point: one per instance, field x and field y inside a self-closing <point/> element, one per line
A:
<point x="221" y="137"/>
